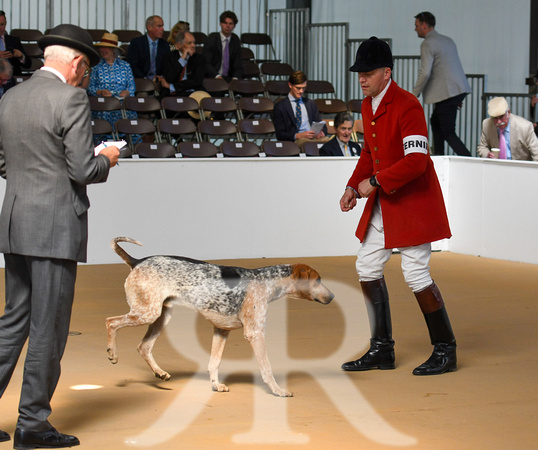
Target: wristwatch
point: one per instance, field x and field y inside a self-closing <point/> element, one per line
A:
<point x="373" y="181"/>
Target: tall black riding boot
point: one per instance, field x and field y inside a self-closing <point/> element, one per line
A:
<point x="443" y="358"/>
<point x="381" y="352"/>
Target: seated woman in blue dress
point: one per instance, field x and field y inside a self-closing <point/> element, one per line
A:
<point x="111" y="77"/>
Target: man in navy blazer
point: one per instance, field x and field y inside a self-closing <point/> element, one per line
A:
<point x="214" y="49"/>
<point x="11" y="48"/>
<point x="290" y="127"/>
<point x="183" y="69"/>
<point x="341" y="144"/>
<point x="139" y="52"/>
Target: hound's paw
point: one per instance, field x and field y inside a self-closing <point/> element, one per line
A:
<point x="221" y="388"/>
<point x="165" y="376"/>
<point x="112" y="357"/>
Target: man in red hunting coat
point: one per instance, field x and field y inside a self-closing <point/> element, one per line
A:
<point x="404" y="210"/>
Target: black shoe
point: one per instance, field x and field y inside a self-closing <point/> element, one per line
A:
<point x="4" y="436"/>
<point x="43" y="439"/>
<point x="442" y="360"/>
<point x="380" y="356"/>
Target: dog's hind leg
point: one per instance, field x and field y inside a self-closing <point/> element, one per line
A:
<point x="217" y="348"/>
<point x="145" y="348"/>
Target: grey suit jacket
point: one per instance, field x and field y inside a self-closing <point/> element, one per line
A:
<point x="47" y="159"/>
<point x="523" y="141"/>
<point x="441" y="74"/>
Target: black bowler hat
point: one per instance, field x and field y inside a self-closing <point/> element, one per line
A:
<point x="73" y="37"/>
<point x="372" y="54"/>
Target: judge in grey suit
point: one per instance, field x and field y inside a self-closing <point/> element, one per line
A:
<point x="520" y="140"/>
<point x="47" y="159"/>
<point x="443" y="83"/>
<point x="341" y="144"/>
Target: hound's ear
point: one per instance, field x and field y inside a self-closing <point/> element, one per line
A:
<point x="301" y="271"/>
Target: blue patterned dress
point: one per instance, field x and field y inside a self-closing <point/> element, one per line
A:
<point x="115" y="77"/>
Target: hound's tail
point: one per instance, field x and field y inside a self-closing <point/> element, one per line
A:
<point x="131" y="262"/>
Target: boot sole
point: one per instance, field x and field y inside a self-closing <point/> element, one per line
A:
<point x="425" y="374"/>
<point x="364" y="369"/>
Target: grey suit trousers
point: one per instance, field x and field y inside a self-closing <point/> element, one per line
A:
<point x="39" y="299"/>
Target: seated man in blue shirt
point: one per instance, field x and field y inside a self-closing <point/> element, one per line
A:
<point x="294" y="115"/>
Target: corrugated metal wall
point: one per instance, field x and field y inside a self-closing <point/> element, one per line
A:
<point x="203" y="15"/>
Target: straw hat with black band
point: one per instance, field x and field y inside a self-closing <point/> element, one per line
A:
<point x="71" y="36"/>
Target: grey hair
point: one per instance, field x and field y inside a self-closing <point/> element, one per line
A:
<point x="61" y="54"/>
<point x="340" y="118"/>
<point x="6" y="67"/>
<point x="180" y="36"/>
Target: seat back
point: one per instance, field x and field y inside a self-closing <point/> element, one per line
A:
<point x="155" y="150"/>
<point x="216" y="86"/>
<point x="126" y="35"/>
<point x="179" y="128"/>
<point x="144" y="86"/>
<point x="239" y="149"/>
<point x="172" y="106"/>
<point x="198" y="149"/>
<point x="281" y="148"/>
<point x="246" y="88"/>
<point x="255" y="106"/>
<point x="312" y="148"/>
<point x="330" y="105"/>
<point x="104" y="103"/>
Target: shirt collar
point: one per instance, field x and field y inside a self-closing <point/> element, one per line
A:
<point x="293" y="99"/>
<point x="55" y="72"/>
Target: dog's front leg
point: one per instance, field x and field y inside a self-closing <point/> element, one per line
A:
<point x="217" y="348"/>
<point x="257" y="340"/>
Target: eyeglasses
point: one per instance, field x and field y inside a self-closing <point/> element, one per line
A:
<point x="87" y="71"/>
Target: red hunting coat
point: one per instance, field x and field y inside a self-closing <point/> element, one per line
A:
<point x="396" y="151"/>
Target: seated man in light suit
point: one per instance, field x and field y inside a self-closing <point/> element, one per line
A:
<point x="290" y="126"/>
<point x="341" y="144"/>
<point x="519" y="137"/>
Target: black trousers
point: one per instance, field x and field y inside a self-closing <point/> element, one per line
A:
<point x="443" y="122"/>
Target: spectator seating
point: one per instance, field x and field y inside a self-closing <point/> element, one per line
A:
<point x="178" y="106"/>
<point x="277" y="88"/>
<point x="217" y="130"/>
<point x="171" y="130"/>
<point x="276" y="70"/>
<point x="132" y="127"/>
<point x="220" y="107"/>
<point x="251" y="107"/>
<point x="256" y="129"/>
<point x="262" y="40"/>
<point x="216" y="86"/>
<point x="320" y="88"/>
<point x="239" y="149"/>
<point x="96" y="34"/>
<point x="247" y="88"/>
<point x="280" y="148"/>
<point x="125" y="36"/>
<point x="312" y="148"/>
<point x="155" y="150"/>
<point x="199" y="37"/>
<point x="329" y="106"/>
<point x="144" y="87"/>
<point x="198" y="149"/>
